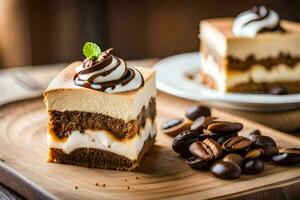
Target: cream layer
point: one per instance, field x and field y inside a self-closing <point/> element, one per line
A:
<point x="104" y="140"/>
<point x="120" y="106"/>
<point x="257" y="74"/>
<point x="264" y="45"/>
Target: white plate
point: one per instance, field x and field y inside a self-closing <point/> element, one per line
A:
<point x="172" y="79"/>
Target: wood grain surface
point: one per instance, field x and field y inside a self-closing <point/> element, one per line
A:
<point x="162" y="174"/>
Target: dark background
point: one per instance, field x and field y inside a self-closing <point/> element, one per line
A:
<point x="42" y="32"/>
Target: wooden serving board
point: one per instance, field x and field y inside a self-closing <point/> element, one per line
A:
<point x="23" y="152"/>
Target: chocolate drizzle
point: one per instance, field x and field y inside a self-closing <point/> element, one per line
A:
<point x="262" y="16"/>
<point x="108" y="74"/>
<point x="257" y="20"/>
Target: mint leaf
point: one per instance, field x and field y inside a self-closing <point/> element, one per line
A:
<point x="91" y="50"/>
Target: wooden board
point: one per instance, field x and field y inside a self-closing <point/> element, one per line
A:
<point x="162" y="174"/>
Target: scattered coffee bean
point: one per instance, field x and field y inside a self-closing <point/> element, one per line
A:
<point x="263" y="141"/>
<point x="196" y="111"/>
<point x="289" y="156"/>
<point x="233" y="157"/>
<point x="198" y="163"/>
<point x="225" y="127"/>
<point x="183" y="140"/>
<point x="236" y="144"/>
<point x="209" y="120"/>
<point x="208" y="134"/>
<point x="269" y="152"/>
<point x="175" y="126"/>
<point x="295" y="151"/>
<point x="253" y="166"/>
<point x="221" y="139"/>
<point x="226" y="170"/>
<point x="207" y="150"/>
<point x="253" y="134"/>
<point x="171" y="123"/>
<point x="198" y="124"/>
<point x="254" y="153"/>
<point x="278" y="90"/>
<point x="206" y="139"/>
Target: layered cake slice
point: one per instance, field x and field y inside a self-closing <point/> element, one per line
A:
<point x="101" y="112"/>
<point x="254" y="52"/>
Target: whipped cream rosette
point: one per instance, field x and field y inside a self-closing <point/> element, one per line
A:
<point x="258" y="19"/>
<point x="109" y="74"/>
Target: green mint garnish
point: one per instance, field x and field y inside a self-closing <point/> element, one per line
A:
<point x="91" y="50"/>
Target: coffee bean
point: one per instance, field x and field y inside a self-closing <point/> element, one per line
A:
<point x="269" y="152"/>
<point x="198" y="124"/>
<point x="175" y="126"/>
<point x="226" y="170"/>
<point x="225" y="127"/>
<point x="221" y="139"/>
<point x="295" y="151"/>
<point x="253" y="166"/>
<point x="171" y="123"/>
<point x="183" y="140"/>
<point x="201" y="123"/>
<point x="209" y="134"/>
<point x="198" y="163"/>
<point x="207" y="150"/>
<point x="287" y="157"/>
<point x="237" y="143"/>
<point x="253" y="134"/>
<point x="196" y="111"/>
<point x="209" y="120"/>
<point x="277" y="90"/>
<point x="263" y="141"/>
<point x="233" y="157"/>
<point x="254" y="153"/>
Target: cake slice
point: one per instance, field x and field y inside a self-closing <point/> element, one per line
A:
<point x="101" y="113"/>
<point x="254" y="52"/>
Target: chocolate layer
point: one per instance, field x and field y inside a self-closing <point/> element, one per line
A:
<point x="97" y="158"/>
<point x="244" y="65"/>
<point x="292" y="87"/>
<point x="63" y="123"/>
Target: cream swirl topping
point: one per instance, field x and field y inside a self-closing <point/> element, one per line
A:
<point x="108" y="74"/>
<point x="258" y="19"/>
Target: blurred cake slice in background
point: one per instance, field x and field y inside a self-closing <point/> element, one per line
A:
<point x="255" y="52"/>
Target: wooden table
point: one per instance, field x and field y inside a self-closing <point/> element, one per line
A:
<point x="42" y="75"/>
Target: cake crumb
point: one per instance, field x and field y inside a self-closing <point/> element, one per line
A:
<point x="137" y="177"/>
<point x="103" y="185"/>
<point x="97" y="184"/>
<point x="125" y="180"/>
<point x="76" y="187"/>
<point x="128" y="187"/>
<point x="93" y="140"/>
